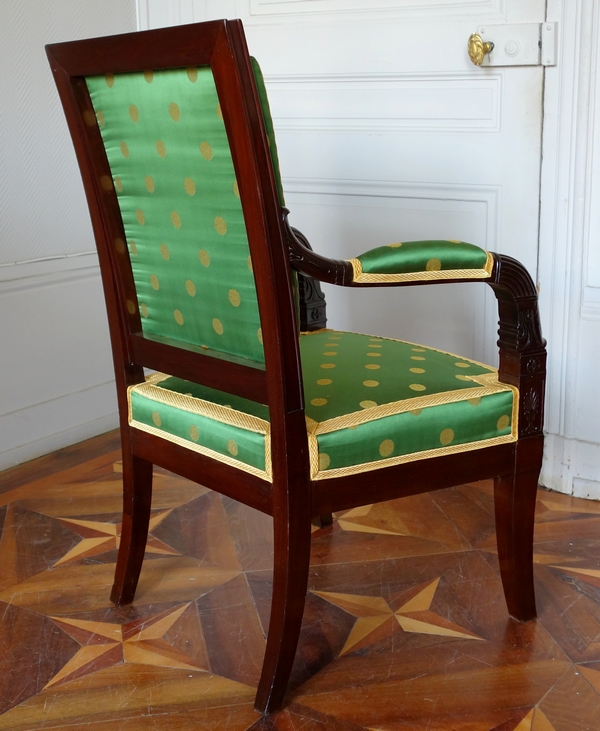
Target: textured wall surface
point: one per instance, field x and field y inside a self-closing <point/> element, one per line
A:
<point x="57" y="378"/>
<point x="42" y="208"/>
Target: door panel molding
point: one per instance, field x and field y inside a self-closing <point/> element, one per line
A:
<point x="420" y="7"/>
<point x="457" y="102"/>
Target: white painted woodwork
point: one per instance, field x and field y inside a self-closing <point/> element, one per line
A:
<point x="386" y="131"/>
<point x="570" y="252"/>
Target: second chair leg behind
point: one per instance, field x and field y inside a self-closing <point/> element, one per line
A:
<point x="137" y="499"/>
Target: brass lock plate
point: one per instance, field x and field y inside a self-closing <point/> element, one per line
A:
<point x="520" y="44"/>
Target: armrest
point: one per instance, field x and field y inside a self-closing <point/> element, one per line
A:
<point x="410" y="262"/>
<point x="422" y="261"/>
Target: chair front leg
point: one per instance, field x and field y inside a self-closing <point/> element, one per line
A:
<point x="514" y="499"/>
<point x="290" y="580"/>
<point x="137" y="499"/>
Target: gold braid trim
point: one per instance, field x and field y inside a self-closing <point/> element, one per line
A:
<point x="404" y="458"/>
<point x="411" y="404"/>
<point x="313" y="454"/>
<point x="194" y="405"/>
<point x="268" y="464"/>
<point x="264" y="475"/>
<point x="361" y="277"/>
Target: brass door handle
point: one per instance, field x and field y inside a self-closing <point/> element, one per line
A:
<point x="478" y="48"/>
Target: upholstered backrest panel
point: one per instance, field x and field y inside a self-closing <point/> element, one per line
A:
<point x="173" y="173"/>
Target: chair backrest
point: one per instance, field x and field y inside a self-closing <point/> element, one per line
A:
<point x="183" y="188"/>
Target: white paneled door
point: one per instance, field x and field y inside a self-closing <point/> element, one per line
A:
<point x="388" y="132"/>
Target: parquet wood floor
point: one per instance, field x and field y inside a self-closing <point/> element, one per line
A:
<point x="405" y="625"/>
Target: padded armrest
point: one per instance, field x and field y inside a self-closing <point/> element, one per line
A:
<point x="415" y="261"/>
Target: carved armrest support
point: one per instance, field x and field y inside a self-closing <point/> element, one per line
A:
<point x="522" y="347"/>
<point x="304" y="260"/>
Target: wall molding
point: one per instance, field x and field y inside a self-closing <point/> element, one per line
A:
<point x="58" y="375"/>
<point x="443" y="102"/>
<point x="45" y="427"/>
<point x="44" y="272"/>
<point x="420" y="7"/>
<point x="489" y="195"/>
<point x="571" y="466"/>
<point x="566" y="203"/>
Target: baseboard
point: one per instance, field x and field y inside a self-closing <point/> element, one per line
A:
<point x="571" y="466"/>
<point x="46" y="427"/>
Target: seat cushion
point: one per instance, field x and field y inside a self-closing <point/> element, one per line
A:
<point x="370" y="402"/>
<point x="373" y="402"/>
<point x="228" y="428"/>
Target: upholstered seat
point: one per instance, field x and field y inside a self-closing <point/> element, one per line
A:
<point x="370" y="402"/>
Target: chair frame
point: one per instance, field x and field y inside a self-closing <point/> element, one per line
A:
<point x="292" y="499"/>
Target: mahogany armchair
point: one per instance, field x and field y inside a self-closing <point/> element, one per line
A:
<point x="175" y="143"/>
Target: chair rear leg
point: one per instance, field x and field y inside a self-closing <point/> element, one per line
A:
<point x="137" y="498"/>
<point x="290" y="581"/>
<point x="514" y="500"/>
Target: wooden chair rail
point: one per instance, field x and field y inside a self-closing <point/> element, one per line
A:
<point x="210" y="369"/>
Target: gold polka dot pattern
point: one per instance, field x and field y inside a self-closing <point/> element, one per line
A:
<point x="324" y="461"/>
<point x="446" y="437"/>
<point x="206" y="151"/>
<point x="349" y="403"/>
<point x="367" y="404"/>
<point x="386" y="448"/>
<point x="171" y="166"/>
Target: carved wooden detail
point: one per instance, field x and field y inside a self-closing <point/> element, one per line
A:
<point x="313" y="308"/>
<point x="522" y="347"/>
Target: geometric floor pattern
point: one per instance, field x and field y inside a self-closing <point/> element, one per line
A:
<point x="405" y="627"/>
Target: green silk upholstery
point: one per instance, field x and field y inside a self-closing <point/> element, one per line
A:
<point x="172" y="170"/>
<point x="222" y="426"/>
<point x="268" y="120"/>
<point x="370" y="402"/>
<point x="414" y="260"/>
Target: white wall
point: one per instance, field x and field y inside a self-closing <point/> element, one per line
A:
<point x="56" y="384"/>
<point x="570" y="251"/>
